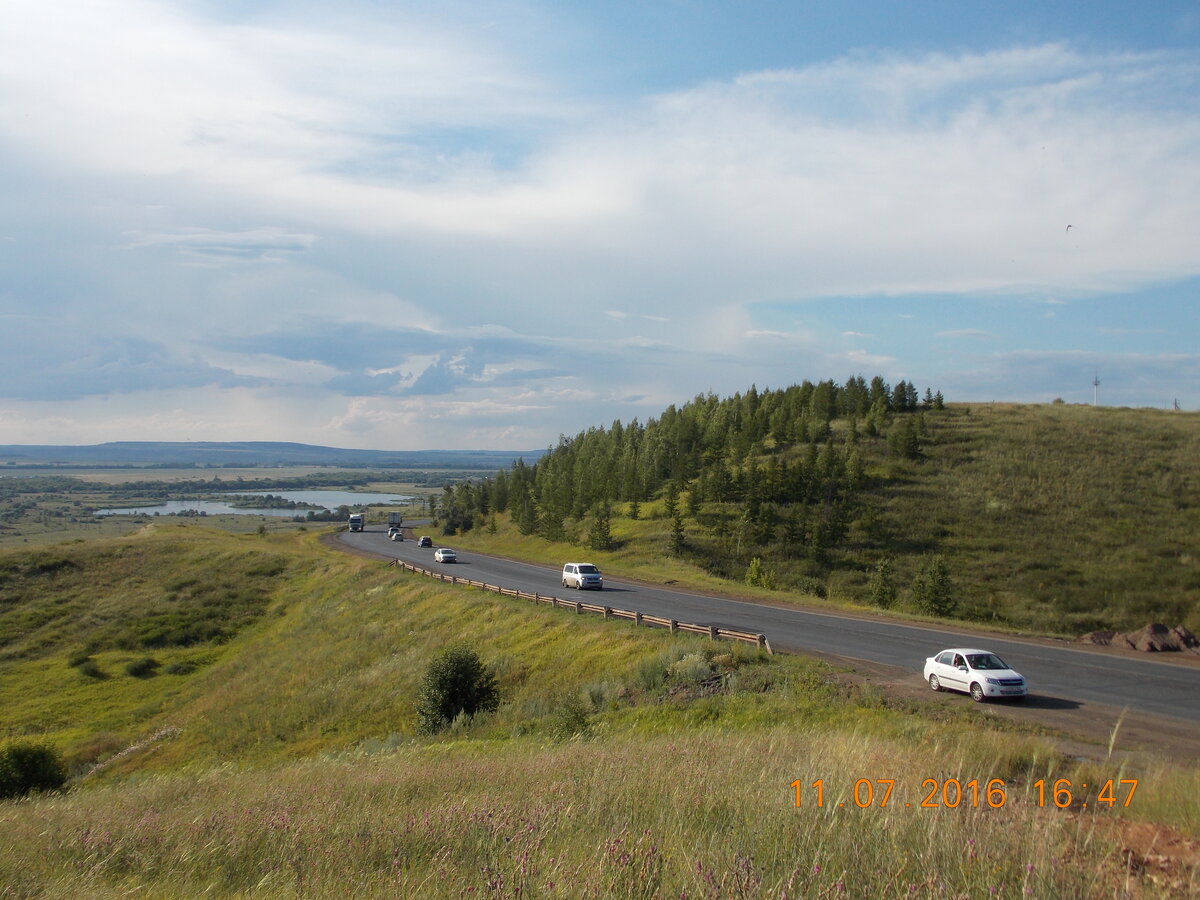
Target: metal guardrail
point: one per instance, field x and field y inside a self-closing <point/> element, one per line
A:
<point x="608" y="612"/>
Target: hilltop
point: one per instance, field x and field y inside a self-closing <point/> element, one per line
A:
<point x="1049" y="518"/>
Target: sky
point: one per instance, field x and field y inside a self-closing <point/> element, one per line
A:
<point x="453" y="225"/>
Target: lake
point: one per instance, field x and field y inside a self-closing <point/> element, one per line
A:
<point x="329" y="500"/>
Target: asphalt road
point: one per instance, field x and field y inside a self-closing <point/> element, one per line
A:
<point x="1059" y="676"/>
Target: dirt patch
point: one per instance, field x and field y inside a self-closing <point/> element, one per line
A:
<point x="1154" y="638"/>
<point x="1160" y="860"/>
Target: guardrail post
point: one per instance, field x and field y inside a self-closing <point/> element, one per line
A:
<point x="712" y="632"/>
<point x="608" y="612"/>
<point x="762" y="642"/>
<point x="674" y="626"/>
<point x="578" y="607"/>
<point x="537" y="598"/>
<point x="637" y="618"/>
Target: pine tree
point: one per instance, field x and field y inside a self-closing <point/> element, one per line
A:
<point x="881" y="589"/>
<point x="600" y="537"/>
<point x="932" y="592"/>
<point x="677" y="536"/>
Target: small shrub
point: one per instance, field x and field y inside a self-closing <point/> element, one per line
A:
<point x="455" y="684"/>
<point x="814" y="586"/>
<point x="753" y="680"/>
<point x="757" y="576"/>
<point x="25" y="768"/>
<point x="142" y="668"/>
<point x="651" y="674"/>
<point x="572" y="719"/>
<point x="180" y="667"/>
<point x="726" y="662"/>
<point x="691" y="669"/>
<point x="91" y="669"/>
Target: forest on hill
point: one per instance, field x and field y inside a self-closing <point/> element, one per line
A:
<point x="1057" y="518"/>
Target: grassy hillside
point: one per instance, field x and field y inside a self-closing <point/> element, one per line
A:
<point x="1054" y="519"/>
<point x="282" y="758"/>
<point x="1058" y="518"/>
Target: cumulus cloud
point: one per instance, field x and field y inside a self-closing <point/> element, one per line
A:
<point x="448" y="226"/>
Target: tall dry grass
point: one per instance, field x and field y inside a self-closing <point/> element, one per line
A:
<point x="701" y="814"/>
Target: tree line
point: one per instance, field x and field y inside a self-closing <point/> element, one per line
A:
<point x="771" y="473"/>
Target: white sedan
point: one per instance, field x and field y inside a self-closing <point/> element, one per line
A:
<point x="980" y="673"/>
<point x="444" y="555"/>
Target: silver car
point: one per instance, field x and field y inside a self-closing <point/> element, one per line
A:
<point x="582" y="576"/>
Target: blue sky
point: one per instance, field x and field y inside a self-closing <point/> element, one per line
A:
<point x="463" y="225"/>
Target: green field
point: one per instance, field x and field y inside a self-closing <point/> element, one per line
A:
<point x="274" y="750"/>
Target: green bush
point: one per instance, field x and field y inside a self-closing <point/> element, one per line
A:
<point x="810" y="585"/>
<point x="691" y="669"/>
<point x="572" y="719"/>
<point x="758" y="576"/>
<point x="142" y="668"/>
<point x="456" y="682"/>
<point x="28" y="767"/>
<point x="181" y="667"/>
<point x="91" y="669"/>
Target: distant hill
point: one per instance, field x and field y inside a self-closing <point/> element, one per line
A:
<point x="253" y="453"/>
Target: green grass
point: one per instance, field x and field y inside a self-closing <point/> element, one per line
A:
<point x="622" y="762"/>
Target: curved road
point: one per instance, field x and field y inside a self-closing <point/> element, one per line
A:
<point x="1058" y="675"/>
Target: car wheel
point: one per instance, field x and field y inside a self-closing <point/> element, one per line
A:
<point x="564" y="582"/>
<point x="934" y="684"/>
<point x="977" y="693"/>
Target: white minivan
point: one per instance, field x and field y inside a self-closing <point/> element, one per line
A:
<point x="582" y="576"/>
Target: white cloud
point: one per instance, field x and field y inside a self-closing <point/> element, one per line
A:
<point x="967" y="333"/>
<point x="621" y="316"/>
<point x="483" y="229"/>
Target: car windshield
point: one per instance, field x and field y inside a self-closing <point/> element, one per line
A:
<point x="986" y="661"/>
<point x="588" y="570"/>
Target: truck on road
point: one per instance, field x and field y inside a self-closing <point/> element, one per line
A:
<point x="357" y="522"/>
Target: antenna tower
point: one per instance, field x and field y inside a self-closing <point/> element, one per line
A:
<point x="1096" y="390"/>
